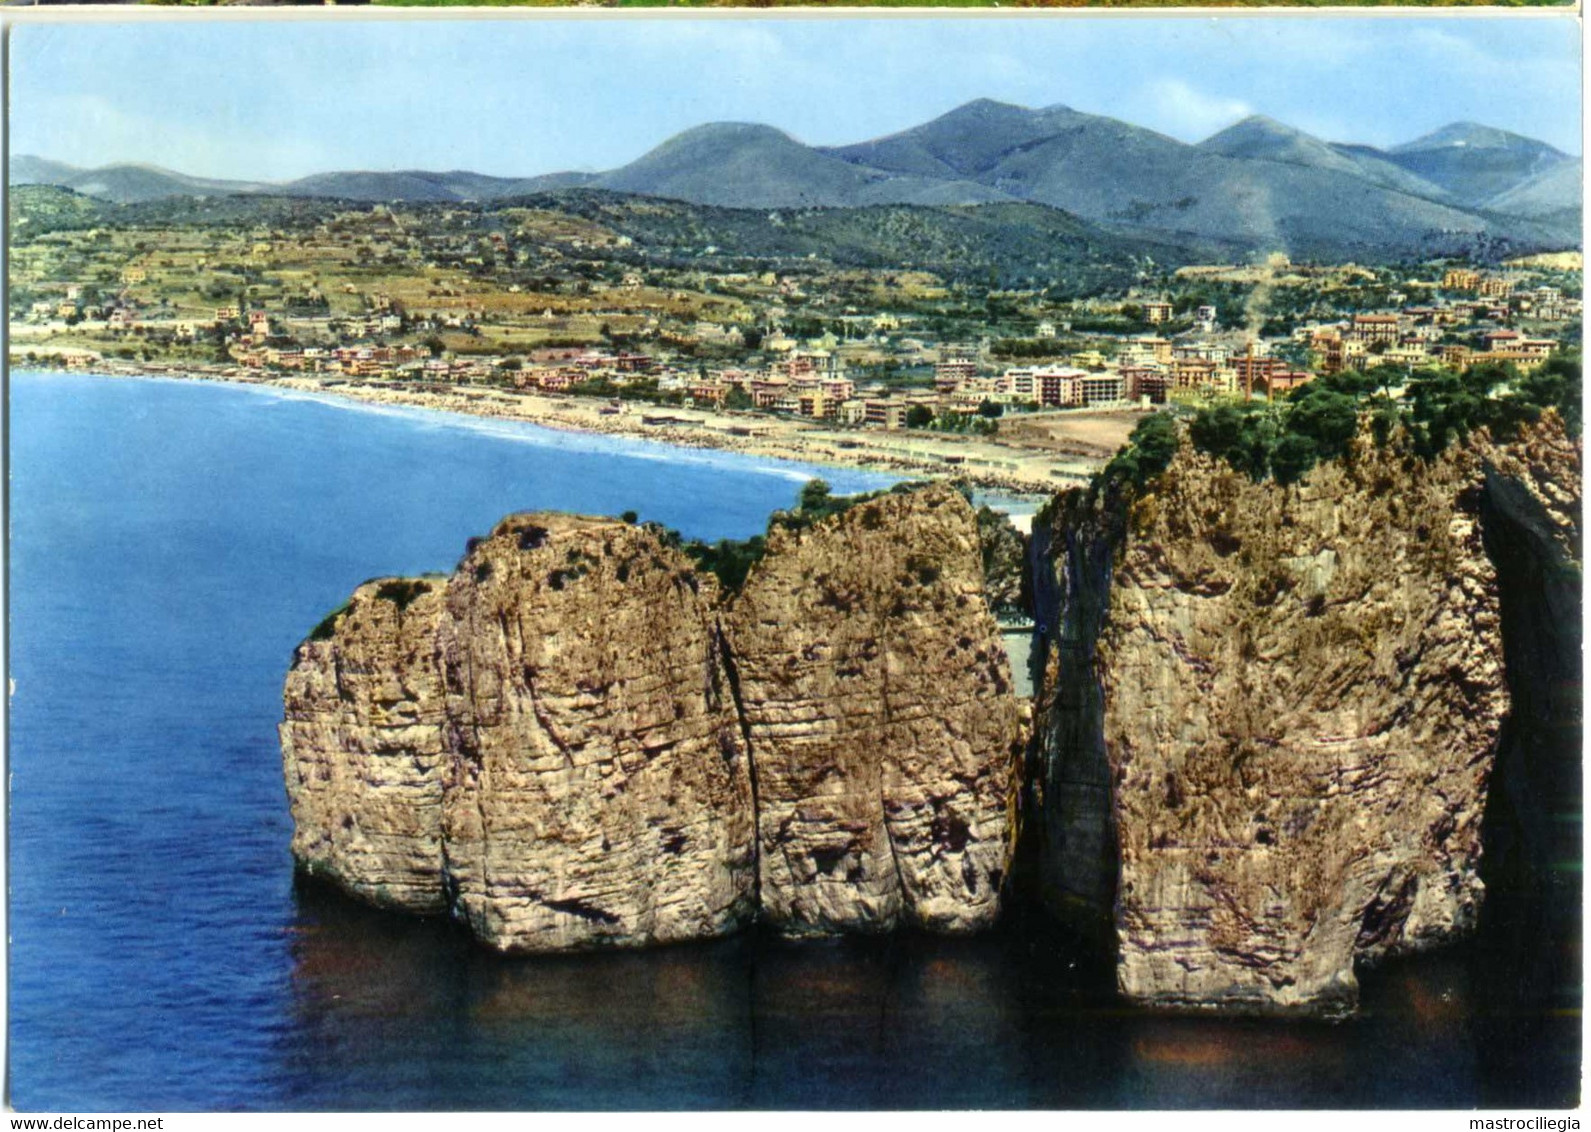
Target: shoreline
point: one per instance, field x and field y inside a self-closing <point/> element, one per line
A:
<point x="985" y="465"/>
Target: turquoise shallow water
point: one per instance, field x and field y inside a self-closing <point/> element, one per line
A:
<point x="170" y="544"/>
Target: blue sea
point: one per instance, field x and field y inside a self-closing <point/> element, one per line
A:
<point x="170" y="543"/>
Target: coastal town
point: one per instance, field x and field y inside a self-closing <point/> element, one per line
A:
<point x="537" y="314"/>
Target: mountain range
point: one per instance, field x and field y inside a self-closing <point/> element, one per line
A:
<point x="1259" y="184"/>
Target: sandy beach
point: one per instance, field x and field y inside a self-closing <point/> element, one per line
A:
<point x="1054" y="450"/>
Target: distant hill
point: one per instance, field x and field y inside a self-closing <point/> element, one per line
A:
<point x="966" y="142"/>
<point x="122" y="183"/>
<point x="1556" y="192"/>
<point x="547" y="182"/>
<point x="1260" y="184"/>
<point x="1265" y="139"/>
<point x="743" y="165"/>
<point x="1015" y="243"/>
<point x="44" y="208"/>
<point x="407" y="186"/>
<point x="1257" y="186"/>
<point x="27" y="170"/>
<point x="1009" y="244"/>
<point x="1476" y="163"/>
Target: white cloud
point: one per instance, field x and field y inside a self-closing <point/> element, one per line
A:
<point x="1175" y="107"/>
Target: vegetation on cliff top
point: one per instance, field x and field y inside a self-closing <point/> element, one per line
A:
<point x="730" y="560"/>
<point x="402" y="592"/>
<point x="1283" y="440"/>
<point x="327" y="625"/>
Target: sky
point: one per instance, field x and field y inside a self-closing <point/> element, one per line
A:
<point x="273" y="100"/>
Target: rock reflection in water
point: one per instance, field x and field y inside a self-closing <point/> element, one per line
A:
<point x="399" y="1013"/>
<point x="1408" y="1047"/>
<point x="886" y="1022"/>
<point x="393" y="1012"/>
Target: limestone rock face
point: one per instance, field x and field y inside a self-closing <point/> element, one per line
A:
<point x="877" y="701"/>
<point x="1287" y="701"/>
<point x="362" y="747"/>
<point x="599" y="790"/>
<point x="578" y="741"/>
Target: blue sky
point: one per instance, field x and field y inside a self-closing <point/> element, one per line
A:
<point x="280" y="99"/>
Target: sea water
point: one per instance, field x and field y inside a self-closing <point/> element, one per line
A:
<point x="171" y="542"/>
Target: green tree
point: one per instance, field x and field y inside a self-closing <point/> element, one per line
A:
<point x="814" y="494"/>
<point x="1242" y="434"/>
<point x="1328" y="419"/>
<point x="1147" y="453"/>
<point x="1294" y="455"/>
<point x="1555" y="384"/>
<point x="1217" y="430"/>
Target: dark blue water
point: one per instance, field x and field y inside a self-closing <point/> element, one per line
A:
<point x="171" y="542"/>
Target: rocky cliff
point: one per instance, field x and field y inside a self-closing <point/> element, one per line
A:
<point x="1282" y="731"/>
<point x="878" y="705"/>
<point x="362" y="746"/>
<point x="597" y="786"/>
<point x="544" y="744"/>
<point x="1269" y="715"/>
<point x="579" y="740"/>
